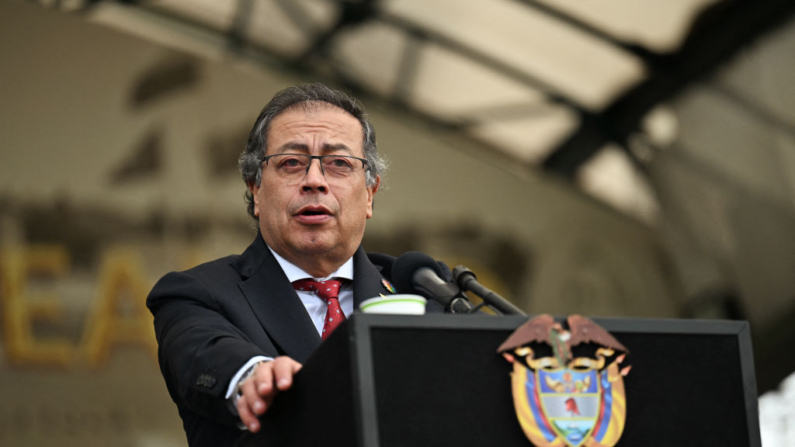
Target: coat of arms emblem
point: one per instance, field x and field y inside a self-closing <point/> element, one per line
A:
<point x="567" y="387"/>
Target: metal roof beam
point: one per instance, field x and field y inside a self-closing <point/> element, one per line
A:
<point x="352" y="13"/>
<point x="240" y="23"/>
<point x="483" y="59"/>
<point x="644" y="54"/>
<point x="718" y="34"/>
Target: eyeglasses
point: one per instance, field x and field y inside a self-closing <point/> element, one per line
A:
<point x="293" y="167"/>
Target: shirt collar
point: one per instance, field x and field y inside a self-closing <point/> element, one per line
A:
<point x="294" y="273"/>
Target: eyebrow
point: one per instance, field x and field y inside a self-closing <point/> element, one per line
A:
<point x="327" y="148"/>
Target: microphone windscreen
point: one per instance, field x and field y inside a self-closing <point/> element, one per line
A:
<point x="408" y="263"/>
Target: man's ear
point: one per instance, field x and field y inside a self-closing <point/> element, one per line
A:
<point x="254" y="189"/>
<point x="371" y="190"/>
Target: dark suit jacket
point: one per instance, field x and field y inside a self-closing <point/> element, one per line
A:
<point x="212" y="319"/>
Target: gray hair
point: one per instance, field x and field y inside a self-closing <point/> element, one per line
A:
<point x="250" y="161"/>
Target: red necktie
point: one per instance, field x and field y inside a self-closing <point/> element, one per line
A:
<point x="328" y="291"/>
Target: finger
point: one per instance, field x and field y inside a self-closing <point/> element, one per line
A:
<point x="283" y="370"/>
<point x="251" y="398"/>
<point x="246" y="416"/>
<point x="263" y="378"/>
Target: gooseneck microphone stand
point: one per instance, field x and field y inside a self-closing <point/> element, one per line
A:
<point x="467" y="281"/>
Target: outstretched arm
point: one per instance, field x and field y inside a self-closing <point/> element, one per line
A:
<point x="199" y="348"/>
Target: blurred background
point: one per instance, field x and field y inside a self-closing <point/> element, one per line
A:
<point x="630" y="158"/>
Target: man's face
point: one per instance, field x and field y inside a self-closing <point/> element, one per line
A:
<point x="315" y="221"/>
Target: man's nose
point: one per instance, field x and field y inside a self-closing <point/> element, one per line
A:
<point x="315" y="178"/>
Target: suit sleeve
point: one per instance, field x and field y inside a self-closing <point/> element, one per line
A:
<point x="199" y="349"/>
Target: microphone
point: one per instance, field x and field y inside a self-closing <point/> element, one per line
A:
<point x="419" y="273"/>
<point x="467" y="281"/>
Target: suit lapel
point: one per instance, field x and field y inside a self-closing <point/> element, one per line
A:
<point x="367" y="279"/>
<point x="277" y="306"/>
<point x="275" y="303"/>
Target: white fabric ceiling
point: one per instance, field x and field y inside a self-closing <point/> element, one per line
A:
<point x="517" y="75"/>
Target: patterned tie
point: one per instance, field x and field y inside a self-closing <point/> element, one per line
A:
<point x="328" y="291"/>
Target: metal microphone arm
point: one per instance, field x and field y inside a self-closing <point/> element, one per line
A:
<point x="448" y="294"/>
<point x="466" y="279"/>
<point x="416" y="272"/>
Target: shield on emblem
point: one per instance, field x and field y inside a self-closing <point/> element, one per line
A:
<point x="563" y="399"/>
<point x="570" y="401"/>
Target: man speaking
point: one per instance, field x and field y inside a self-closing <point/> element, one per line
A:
<point x="233" y="332"/>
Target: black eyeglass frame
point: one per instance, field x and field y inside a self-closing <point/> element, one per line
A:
<point x="320" y="158"/>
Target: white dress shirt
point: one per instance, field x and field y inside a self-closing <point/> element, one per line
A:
<point x="315" y="306"/>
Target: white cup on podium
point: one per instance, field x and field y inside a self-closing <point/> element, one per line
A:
<point x="402" y="304"/>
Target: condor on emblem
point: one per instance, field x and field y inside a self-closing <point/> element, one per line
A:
<point x="566" y="383"/>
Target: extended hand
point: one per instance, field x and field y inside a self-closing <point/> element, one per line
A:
<point x="262" y="386"/>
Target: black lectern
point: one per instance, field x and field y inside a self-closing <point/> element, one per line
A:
<point x="436" y="380"/>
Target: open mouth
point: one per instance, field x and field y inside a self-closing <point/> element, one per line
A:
<point x="313" y="214"/>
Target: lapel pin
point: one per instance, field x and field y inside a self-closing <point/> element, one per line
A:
<point x="388" y="286"/>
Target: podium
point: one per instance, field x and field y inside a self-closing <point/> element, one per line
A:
<point x="437" y="380"/>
